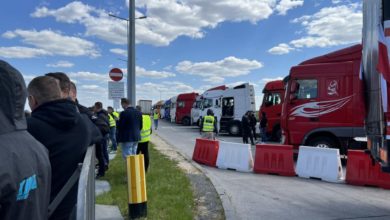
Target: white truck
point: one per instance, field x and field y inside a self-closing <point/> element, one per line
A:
<point x="173" y="109"/>
<point x="228" y="105"/>
<point x="146" y="106"/>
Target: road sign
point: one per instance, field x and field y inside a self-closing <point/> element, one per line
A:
<point x="116" y="74"/>
<point x="116" y="90"/>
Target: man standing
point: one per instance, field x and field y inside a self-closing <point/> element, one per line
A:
<point x="263" y="127"/>
<point x="253" y="123"/>
<point x="113" y="117"/>
<point x="129" y="127"/>
<point x="145" y="137"/>
<point x="155" y="118"/>
<point x="24" y="162"/>
<point x="246" y="129"/>
<point x="208" y="126"/>
<point x="100" y="119"/>
<point x="57" y="124"/>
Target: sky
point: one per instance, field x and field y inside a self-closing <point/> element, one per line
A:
<point x="182" y="46"/>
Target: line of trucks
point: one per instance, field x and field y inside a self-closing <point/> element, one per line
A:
<point x="330" y="101"/>
<point x="320" y="103"/>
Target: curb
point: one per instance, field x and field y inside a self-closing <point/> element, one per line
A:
<point x="229" y="210"/>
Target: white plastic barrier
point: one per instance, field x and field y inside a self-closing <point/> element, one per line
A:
<point x="235" y="156"/>
<point x="321" y="163"/>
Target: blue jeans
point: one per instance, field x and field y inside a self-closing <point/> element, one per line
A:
<point x="113" y="138"/>
<point x="155" y="123"/>
<point x="129" y="148"/>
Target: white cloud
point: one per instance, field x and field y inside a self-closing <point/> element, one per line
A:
<point x="285" y="5"/>
<point x="218" y="70"/>
<point x="280" y="49"/>
<point x="167" y="19"/>
<point x="22" y="52"/>
<point x="119" y="51"/>
<point x="85" y="75"/>
<point x="265" y="80"/>
<point x="166" y="89"/>
<point x="331" y="26"/>
<point x="141" y="72"/>
<point x="61" y="63"/>
<point x="54" y="43"/>
<point x="92" y="87"/>
<point x="336" y="1"/>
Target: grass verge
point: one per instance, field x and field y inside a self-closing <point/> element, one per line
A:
<point x="169" y="191"/>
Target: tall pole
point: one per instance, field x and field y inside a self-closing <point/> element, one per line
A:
<point x="131" y="54"/>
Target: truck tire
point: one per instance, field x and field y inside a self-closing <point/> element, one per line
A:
<point x="323" y="141"/>
<point x="186" y="121"/>
<point x="234" y="129"/>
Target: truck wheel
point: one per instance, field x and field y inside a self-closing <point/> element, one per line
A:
<point x="234" y="129"/>
<point x="323" y="141"/>
<point x="186" y="121"/>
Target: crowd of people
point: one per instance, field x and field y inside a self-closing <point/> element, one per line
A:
<point x="41" y="153"/>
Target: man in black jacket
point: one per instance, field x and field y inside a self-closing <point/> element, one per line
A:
<point x="129" y="128"/>
<point x="57" y="124"/>
<point x="100" y="119"/>
<point x="24" y="162"/>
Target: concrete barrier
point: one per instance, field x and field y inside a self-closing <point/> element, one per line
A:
<point x="205" y="152"/>
<point x="319" y="163"/>
<point x="235" y="156"/>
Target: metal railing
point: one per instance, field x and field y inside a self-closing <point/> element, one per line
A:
<point x="86" y="189"/>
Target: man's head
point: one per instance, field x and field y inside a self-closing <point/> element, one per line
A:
<point x="13" y="97"/>
<point x="210" y="112"/>
<point x="64" y="82"/>
<point x="43" y="89"/>
<point x="73" y="91"/>
<point x="110" y="109"/>
<point x="98" y="106"/>
<point x="125" y="103"/>
<point x="138" y="108"/>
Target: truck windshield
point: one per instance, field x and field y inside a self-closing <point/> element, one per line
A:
<point x="271" y="99"/>
<point x="207" y="103"/>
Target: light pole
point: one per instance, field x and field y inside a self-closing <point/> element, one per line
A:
<point x="130" y="51"/>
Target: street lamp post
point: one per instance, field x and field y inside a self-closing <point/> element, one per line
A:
<point x="130" y="50"/>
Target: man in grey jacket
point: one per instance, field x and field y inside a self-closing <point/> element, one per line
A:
<point x="25" y="171"/>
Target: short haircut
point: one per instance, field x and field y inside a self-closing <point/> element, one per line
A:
<point x="98" y="105"/>
<point x="125" y="101"/>
<point x="138" y="108"/>
<point x="109" y="107"/>
<point x="44" y="89"/>
<point x="63" y="79"/>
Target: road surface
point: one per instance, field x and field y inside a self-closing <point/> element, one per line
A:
<point x="256" y="196"/>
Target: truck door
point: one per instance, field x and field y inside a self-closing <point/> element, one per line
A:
<point x="303" y="108"/>
<point x="272" y="108"/>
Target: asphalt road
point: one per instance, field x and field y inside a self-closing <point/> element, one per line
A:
<point x="256" y="196"/>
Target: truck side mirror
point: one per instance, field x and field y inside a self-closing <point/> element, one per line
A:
<point x="293" y="87"/>
<point x="293" y="96"/>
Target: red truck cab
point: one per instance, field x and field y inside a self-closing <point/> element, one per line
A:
<point x="324" y="104"/>
<point x="273" y="95"/>
<point x="183" y="107"/>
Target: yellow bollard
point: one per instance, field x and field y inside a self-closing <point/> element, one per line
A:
<point x="136" y="186"/>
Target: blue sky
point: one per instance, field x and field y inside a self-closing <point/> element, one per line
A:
<point x="183" y="46"/>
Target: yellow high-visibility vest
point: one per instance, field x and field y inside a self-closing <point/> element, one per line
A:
<point x="112" y="119"/>
<point x="155" y="116"/>
<point x="146" y="129"/>
<point x="208" y="123"/>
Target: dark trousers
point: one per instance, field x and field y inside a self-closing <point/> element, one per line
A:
<point x="245" y="135"/>
<point x="100" y="157"/>
<point x="105" y="150"/>
<point x="254" y="132"/>
<point x="143" y="149"/>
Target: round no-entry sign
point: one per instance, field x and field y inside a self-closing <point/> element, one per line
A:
<point x="116" y="74"/>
